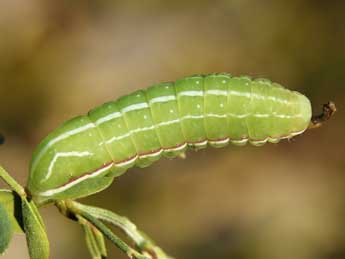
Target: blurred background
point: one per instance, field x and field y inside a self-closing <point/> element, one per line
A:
<point x="60" y="58"/>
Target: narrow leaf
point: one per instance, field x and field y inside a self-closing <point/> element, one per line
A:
<point x="6" y="230"/>
<point x="94" y="239"/>
<point x="36" y="236"/>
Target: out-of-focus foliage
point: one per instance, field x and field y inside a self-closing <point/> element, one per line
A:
<point x="60" y="58"/>
<point x="11" y="203"/>
<point x="6" y="230"/>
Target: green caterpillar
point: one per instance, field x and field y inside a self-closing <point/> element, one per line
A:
<point x="86" y="153"/>
<point x="83" y="155"/>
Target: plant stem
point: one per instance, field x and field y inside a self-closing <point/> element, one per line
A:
<point x="131" y="253"/>
<point x="12" y="183"/>
<point x="141" y="240"/>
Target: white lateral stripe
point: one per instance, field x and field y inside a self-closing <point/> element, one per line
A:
<point x="152" y="154"/>
<point x="63" y="154"/>
<point x="217" y="92"/>
<point x="176" y="148"/>
<point x="71" y="184"/>
<point x="133" y="107"/>
<point x="132" y="160"/>
<point x="191" y="93"/>
<point x="59" y="138"/>
<point x="163" y="99"/>
<point x="240" y="141"/>
<point x="203" y="143"/>
<point x="298" y="132"/>
<point x="108" y="118"/>
<point x="125" y="163"/>
<point x="262" y="141"/>
<point x="222" y="141"/>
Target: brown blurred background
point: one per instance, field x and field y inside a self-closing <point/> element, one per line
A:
<point x="287" y="201"/>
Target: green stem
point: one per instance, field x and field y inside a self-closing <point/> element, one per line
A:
<point x="118" y="221"/>
<point x="141" y="240"/>
<point x="12" y="183"/>
<point x="131" y="253"/>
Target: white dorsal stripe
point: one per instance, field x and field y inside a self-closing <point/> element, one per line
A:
<point x="75" y="182"/>
<point x="163" y="99"/>
<point x="108" y="117"/>
<point x="191" y="93"/>
<point x="59" y="138"/>
<point x="134" y="107"/>
<point x="64" y="154"/>
<point x="137" y="106"/>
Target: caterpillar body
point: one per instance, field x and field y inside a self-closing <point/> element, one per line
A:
<point x="86" y="153"/>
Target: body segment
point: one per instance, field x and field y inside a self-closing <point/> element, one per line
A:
<point x="164" y="119"/>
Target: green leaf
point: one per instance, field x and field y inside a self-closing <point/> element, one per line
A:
<point x="12" y="204"/>
<point x="36" y="236"/>
<point x="6" y="230"/>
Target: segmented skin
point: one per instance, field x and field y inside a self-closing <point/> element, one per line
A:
<point x="83" y="155"/>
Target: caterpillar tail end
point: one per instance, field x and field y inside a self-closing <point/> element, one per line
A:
<point x="327" y="112"/>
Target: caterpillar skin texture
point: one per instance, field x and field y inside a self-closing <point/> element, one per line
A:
<point x="86" y="153"/>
